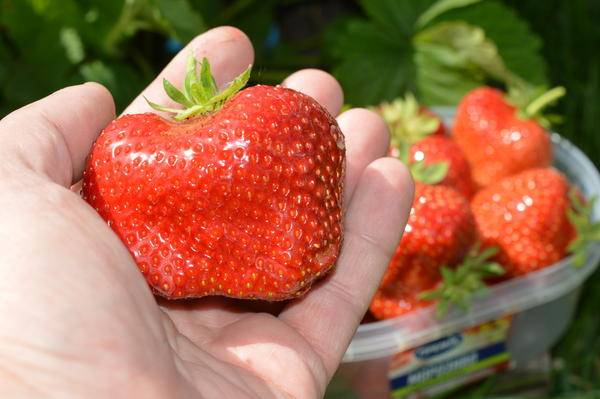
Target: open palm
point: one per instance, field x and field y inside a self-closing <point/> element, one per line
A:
<point x="78" y="319"/>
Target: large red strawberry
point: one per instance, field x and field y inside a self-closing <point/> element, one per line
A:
<point x="438" y="150"/>
<point x="439" y="232"/>
<point x="528" y="217"/>
<point x="243" y="201"/>
<point x="500" y="139"/>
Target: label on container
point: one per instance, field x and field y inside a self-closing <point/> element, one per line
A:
<point x="450" y="361"/>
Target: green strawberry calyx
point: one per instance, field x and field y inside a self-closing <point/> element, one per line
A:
<point x="200" y="94"/>
<point x="407" y="123"/>
<point x="531" y="102"/>
<point x="459" y="284"/>
<point x="432" y="173"/>
<point x="579" y="214"/>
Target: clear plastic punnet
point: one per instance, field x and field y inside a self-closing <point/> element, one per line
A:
<point x="538" y="308"/>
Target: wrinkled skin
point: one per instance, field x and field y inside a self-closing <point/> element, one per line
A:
<point x="78" y="319"/>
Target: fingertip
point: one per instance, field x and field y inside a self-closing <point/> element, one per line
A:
<point x="320" y="85"/>
<point x="395" y="173"/>
<point x="367" y="138"/>
<point x="362" y="119"/>
<point x="382" y="202"/>
<point x="230" y="40"/>
<point x="103" y="96"/>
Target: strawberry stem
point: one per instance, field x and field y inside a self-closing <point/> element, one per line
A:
<point x="460" y="284"/>
<point x="200" y="93"/>
<point x="530" y="102"/>
<point x="544" y="100"/>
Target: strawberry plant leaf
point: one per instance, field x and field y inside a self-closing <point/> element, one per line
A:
<point x="71" y="41"/>
<point x="379" y="59"/>
<point x="374" y="57"/>
<point x="518" y="46"/>
<point x="373" y="65"/>
<point x="455" y="57"/>
<point x="441" y="7"/>
<point x="398" y="17"/>
<point x="183" y="20"/>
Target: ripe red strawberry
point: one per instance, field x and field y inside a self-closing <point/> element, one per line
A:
<point x="498" y="139"/>
<point x="439" y="232"/>
<point x="399" y="297"/>
<point x="243" y="201"/>
<point x="440" y="149"/>
<point x="526" y="217"/>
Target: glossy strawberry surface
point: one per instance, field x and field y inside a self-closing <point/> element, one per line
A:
<point x="525" y="217"/>
<point x="439" y="232"/>
<point x="400" y="297"/>
<point x="495" y="140"/>
<point x="245" y="202"/>
<point x="439" y="148"/>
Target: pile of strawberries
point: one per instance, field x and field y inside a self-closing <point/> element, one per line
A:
<point x="488" y="205"/>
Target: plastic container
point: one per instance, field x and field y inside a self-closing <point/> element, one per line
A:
<point x="538" y="308"/>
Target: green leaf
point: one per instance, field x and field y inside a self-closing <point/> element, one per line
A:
<point x="587" y="231"/>
<point x="175" y="94"/>
<point x="161" y="108"/>
<point x="122" y="79"/>
<point x="191" y="92"/>
<point x="375" y="57"/>
<point x="517" y="44"/>
<point x="429" y="174"/>
<point x="494" y="269"/>
<point x="207" y="80"/>
<point x="200" y="97"/>
<point x="462" y="282"/>
<point x="441" y="7"/>
<point x="398" y="17"/>
<point x="185" y="22"/>
<point x="454" y="57"/>
<point x="97" y="71"/>
<point x="73" y="45"/>
<point x="373" y="64"/>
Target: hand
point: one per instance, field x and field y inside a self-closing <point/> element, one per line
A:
<point x="78" y="319"/>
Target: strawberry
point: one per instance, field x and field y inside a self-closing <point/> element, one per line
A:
<point x="418" y="138"/>
<point x="528" y="217"/>
<point x="440" y="149"/>
<point x="399" y="297"/>
<point x="240" y="195"/>
<point x="440" y="231"/>
<point x="449" y="286"/>
<point x="500" y="139"/>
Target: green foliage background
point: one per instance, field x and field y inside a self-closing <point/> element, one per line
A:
<point x="377" y="48"/>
